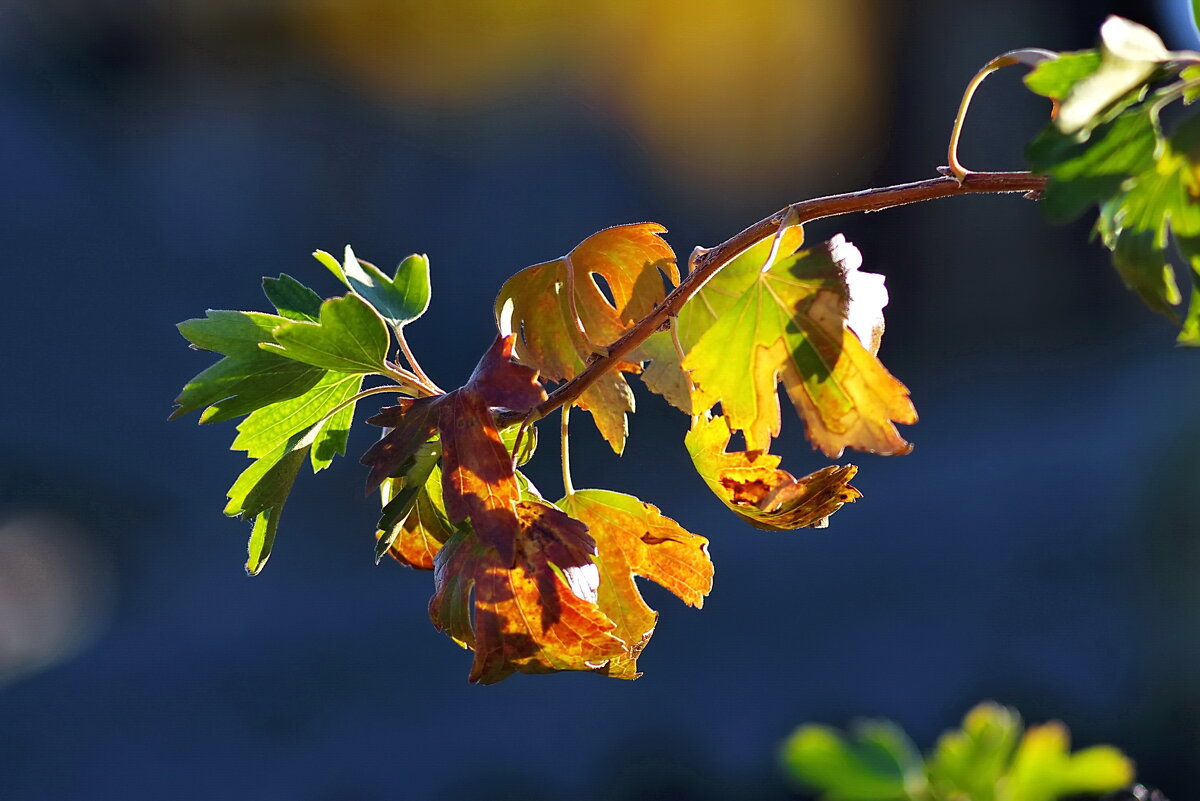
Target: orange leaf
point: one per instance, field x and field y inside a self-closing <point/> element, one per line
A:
<point x="425" y="527"/>
<point x="635" y="539"/>
<point x="752" y="485"/>
<point x="565" y="319"/>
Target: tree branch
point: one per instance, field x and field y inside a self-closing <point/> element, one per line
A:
<point x="709" y="262"/>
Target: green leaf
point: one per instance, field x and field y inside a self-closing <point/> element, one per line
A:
<point x="970" y="762"/>
<point x="1129" y="55"/>
<point x="1191" y="75"/>
<point x="529" y="441"/>
<point x="1086" y="173"/>
<point x="260" y="492"/>
<point x="1043" y="768"/>
<point x="350" y="337"/>
<point x="268" y="428"/>
<point x="239" y="385"/>
<point x="1054" y="78"/>
<point x="793" y="324"/>
<point x="1195" y="6"/>
<point x="404" y="491"/>
<point x="291" y="298"/>
<point x="401" y="299"/>
<point x="880" y="764"/>
<point x="1189" y="335"/>
<point x="233" y="333"/>
<point x="331" y="263"/>
<point x="247" y="378"/>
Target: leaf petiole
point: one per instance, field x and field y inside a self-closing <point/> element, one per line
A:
<point x="568" y="487"/>
<point x="1030" y="57"/>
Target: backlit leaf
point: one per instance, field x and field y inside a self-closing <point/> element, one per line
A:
<point x="269" y="427"/>
<point x="535" y="616"/>
<point x="877" y="764"/>
<point x="1129" y="54"/>
<point x="751" y="484"/>
<point x="791" y="324"/>
<point x="413" y="524"/>
<point x="247" y="378"/>
<point x="563" y="317"/>
<point x="350" y="337"/>
<point x="261" y="491"/>
<point x="400" y="299"/>
<point x="635" y="539"/>
<point x="1043" y="768"/>
<point x="663" y="374"/>
<point x="1054" y="78"/>
<point x="971" y="761"/>
<point x="291" y="298"/>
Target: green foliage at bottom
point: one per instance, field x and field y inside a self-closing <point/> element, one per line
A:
<point x="992" y="757"/>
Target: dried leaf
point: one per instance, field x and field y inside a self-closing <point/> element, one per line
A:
<point x="751" y="484"/>
<point x="531" y="617"/>
<point x="635" y="539"/>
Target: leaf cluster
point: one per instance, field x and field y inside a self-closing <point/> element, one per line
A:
<point x="992" y="757"/>
<point x="1110" y="146"/>
<point x="533" y="585"/>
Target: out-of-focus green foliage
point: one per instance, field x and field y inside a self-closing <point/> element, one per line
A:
<point x="990" y="758"/>
<point x="1106" y="147"/>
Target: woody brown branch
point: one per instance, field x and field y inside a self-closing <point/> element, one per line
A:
<point x="709" y="262"/>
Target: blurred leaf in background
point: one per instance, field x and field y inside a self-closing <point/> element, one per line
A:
<point x="990" y="758"/>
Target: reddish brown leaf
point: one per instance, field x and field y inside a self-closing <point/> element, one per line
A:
<point x="635" y="539"/>
<point x="530" y="617"/>
<point x="752" y="485"/>
<point x="478" y="481"/>
<point x="501" y="382"/>
<point x="413" y="423"/>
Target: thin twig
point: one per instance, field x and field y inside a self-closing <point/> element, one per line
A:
<point x="708" y="263"/>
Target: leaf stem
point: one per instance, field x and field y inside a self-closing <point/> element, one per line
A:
<point x="366" y="393"/>
<point x="1030" y="57"/>
<point x="409" y="382"/>
<point x="708" y="263"/>
<point x="568" y="487"/>
<point x="411" y="358"/>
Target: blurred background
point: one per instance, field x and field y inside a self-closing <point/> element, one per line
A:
<point x="1039" y="547"/>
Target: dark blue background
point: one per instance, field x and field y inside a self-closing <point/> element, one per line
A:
<point x="1039" y="546"/>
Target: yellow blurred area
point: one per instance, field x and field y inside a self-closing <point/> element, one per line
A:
<point x="757" y="93"/>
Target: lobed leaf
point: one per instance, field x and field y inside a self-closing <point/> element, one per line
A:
<point x="751" y="484"/>
<point x="246" y="378"/>
<point x="413" y="524"/>
<point x="878" y="764"/>
<point x="291" y="298"/>
<point x="400" y="299"/>
<point x="971" y="761"/>
<point x="269" y="427"/>
<point x="1129" y="54"/>
<point x="349" y="337"/>
<point x="664" y="374"/>
<point x="537" y="615"/>
<point x="564" y="318"/>
<point x="792" y="324"/>
<point x="1043" y="769"/>
<point x="635" y="539"/>
<point x="260" y="492"/>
